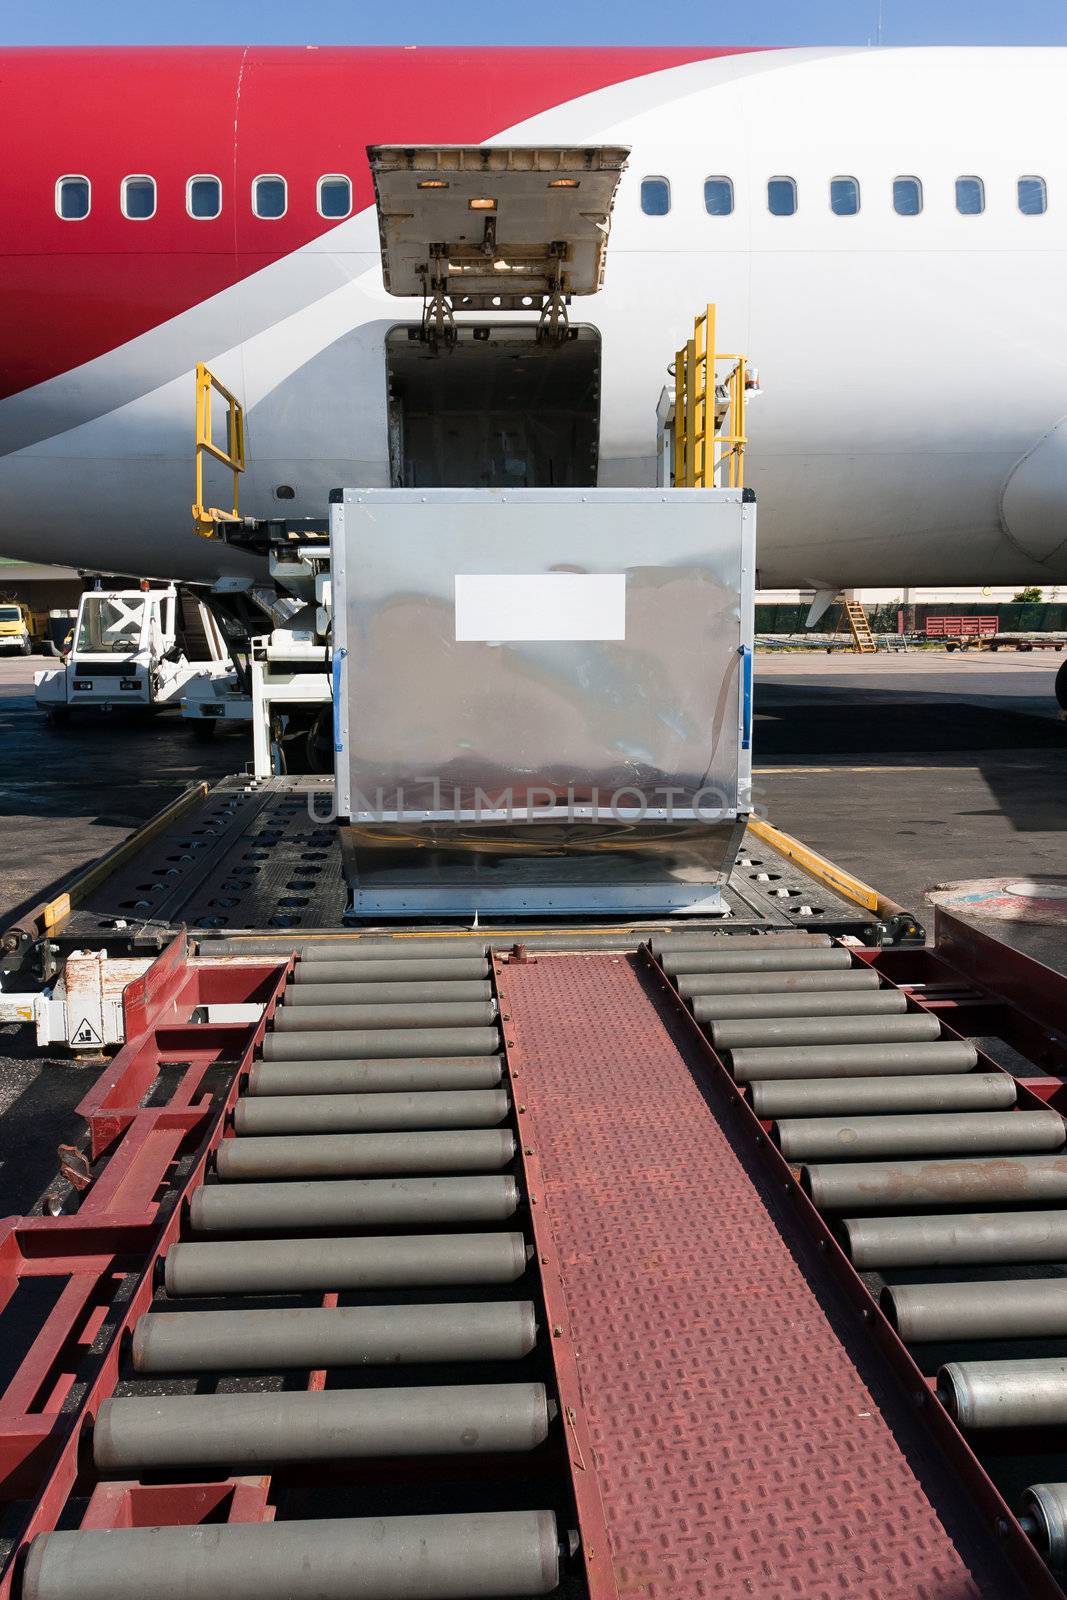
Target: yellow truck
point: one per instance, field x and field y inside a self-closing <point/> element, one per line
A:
<point x="18" y="627"/>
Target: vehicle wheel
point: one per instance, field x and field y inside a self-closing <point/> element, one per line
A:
<point x="204" y="730"/>
<point x="25" y="647"/>
<point x="1061" y="685"/>
<point x="994" y="648"/>
<point x="58" y="716"/>
<point x="949" y="648"/>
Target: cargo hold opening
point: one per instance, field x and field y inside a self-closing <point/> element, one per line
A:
<point x="499" y="409"/>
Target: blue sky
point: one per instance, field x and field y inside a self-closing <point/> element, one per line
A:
<point x="579" y="22"/>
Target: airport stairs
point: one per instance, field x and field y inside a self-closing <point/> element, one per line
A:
<point x="863" y="640"/>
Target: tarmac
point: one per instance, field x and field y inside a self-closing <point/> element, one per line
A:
<point x="916" y="770"/>
<point x="910" y="771"/>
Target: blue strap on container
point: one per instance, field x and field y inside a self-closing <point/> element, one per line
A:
<point x="338" y="665"/>
<point x="745" y="652"/>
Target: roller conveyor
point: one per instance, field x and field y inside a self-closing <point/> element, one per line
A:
<point x="427" y="1142"/>
<point x="926" y="1129"/>
<point x="467" y="1224"/>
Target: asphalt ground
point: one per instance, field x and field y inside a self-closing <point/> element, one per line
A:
<point x="916" y="770"/>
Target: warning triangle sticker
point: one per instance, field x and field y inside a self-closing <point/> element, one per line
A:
<point x="85" y="1033"/>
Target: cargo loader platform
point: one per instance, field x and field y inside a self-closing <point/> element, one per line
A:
<point x="262" y="859"/>
<point x="422" y="1269"/>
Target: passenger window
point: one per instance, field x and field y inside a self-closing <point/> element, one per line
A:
<point x="138" y="198"/>
<point x="334" y="197"/>
<point x="1033" y="196"/>
<point x="718" y="196"/>
<point x="203" y="197"/>
<point x="781" y="196"/>
<point x="907" y="197"/>
<point x="970" y="197"/>
<point x="844" y="196"/>
<point x="72" y="199"/>
<point x="655" y="197"/>
<point x="269" y="197"/>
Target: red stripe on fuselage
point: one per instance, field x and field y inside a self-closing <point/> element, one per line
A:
<point x="74" y="290"/>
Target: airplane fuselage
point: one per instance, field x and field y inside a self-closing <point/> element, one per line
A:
<point x="906" y="316"/>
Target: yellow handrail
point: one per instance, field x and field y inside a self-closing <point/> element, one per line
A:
<point x="706" y="455"/>
<point x="206" y="519"/>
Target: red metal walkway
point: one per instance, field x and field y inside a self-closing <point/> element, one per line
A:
<point x="738" y="1443"/>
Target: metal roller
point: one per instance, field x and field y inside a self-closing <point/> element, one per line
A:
<point x="413" y="1014"/>
<point x="1005" y="1394"/>
<point x="908" y="1029"/>
<point x="292" y="1266"/>
<point x="355" y="1155"/>
<point x="356" y="1044"/>
<point x="459" y="948"/>
<point x="401" y="970"/>
<point x="1021" y="1308"/>
<point x="374" y="1077"/>
<point x="336" y="1113"/>
<point x="374" y="1202"/>
<point x="833" y="1003"/>
<point x="761" y="959"/>
<point x="971" y="1238"/>
<point x="476" y="1556"/>
<point x="854" y="1060"/>
<point x="1043" y="1515"/>
<point x="1001" y="1180"/>
<point x="347" y="994"/>
<point x="828" y="1097"/>
<point x="340" y="1336"/>
<point x="164" y="1432"/>
<point x="827" y="1138"/>
<point x="692" y="984"/>
<point x="669" y="944"/>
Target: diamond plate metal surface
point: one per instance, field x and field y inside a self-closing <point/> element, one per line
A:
<point x="739" y="1447"/>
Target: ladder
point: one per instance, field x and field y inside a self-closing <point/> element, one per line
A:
<point x="708" y="424"/>
<point x="862" y="638"/>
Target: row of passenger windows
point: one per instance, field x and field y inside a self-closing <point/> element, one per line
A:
<point x="203" y="197"/>
<point x="333" y="197"/>
<point x="1031" y="195"/>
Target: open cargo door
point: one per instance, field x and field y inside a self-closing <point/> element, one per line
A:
<point x="479" y="228"/>
<point x="517" y="403"/>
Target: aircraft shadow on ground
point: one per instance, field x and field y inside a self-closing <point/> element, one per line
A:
<point x="809" y="722"/>
<point x="1021" y="756"/>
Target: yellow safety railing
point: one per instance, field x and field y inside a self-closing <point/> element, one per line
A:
<point x="709" y="412"/>
<point x="206" y="519"/>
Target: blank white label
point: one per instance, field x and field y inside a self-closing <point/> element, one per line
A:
<point x="493" y="606"/>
